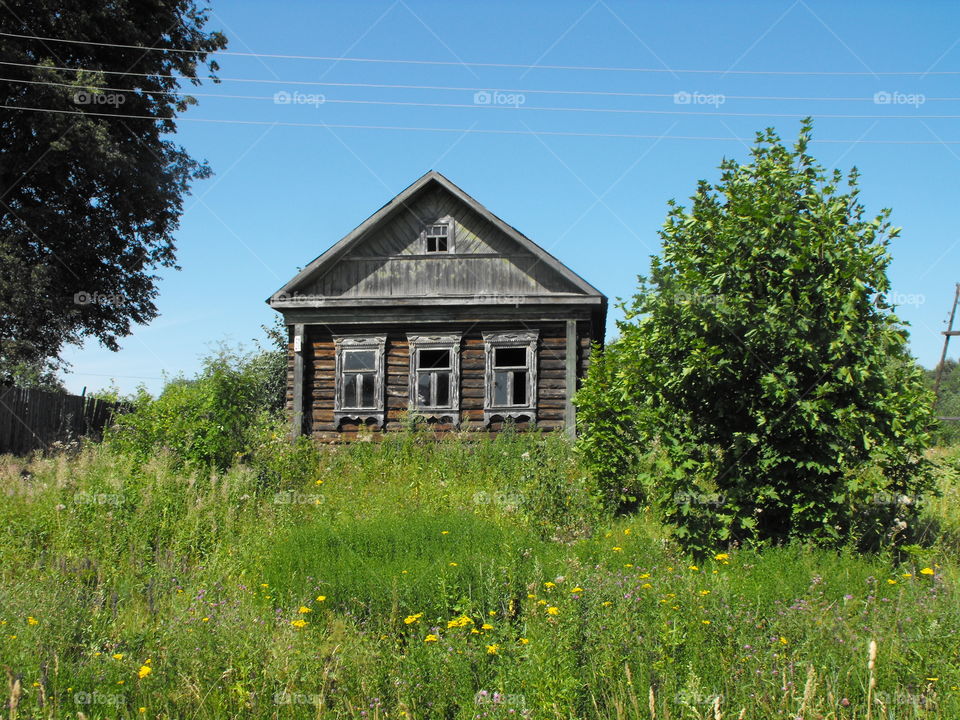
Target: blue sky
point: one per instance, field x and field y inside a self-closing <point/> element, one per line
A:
<point x="599" y="120"/>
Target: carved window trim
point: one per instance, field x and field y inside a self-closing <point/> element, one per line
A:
<point x="445" y="341"/>
<point x="492" y="341"/>
<point x="344" y="344"/>
<point x="426" y="234"/>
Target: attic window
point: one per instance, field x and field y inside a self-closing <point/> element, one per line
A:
<point x="438" y="237"/>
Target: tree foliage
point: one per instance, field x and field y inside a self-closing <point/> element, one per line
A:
<point x="761" y="358"/>
<point x="89" y="202"/>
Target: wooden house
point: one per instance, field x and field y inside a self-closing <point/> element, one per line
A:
<point x="436" y="306"/>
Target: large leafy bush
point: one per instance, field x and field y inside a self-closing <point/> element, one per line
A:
<point x="205" y="422"/>
<point x="763" y="362"/>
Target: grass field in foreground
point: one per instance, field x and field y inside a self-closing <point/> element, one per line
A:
<point x="439" y="580"/>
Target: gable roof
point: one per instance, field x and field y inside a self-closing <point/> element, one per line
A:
<point x="330" y="258"/>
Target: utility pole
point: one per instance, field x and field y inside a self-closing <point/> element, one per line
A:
<point x="950" y="332"/>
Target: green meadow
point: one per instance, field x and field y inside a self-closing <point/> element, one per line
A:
<point x="416" y="578"/>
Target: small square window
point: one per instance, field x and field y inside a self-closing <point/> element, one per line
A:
<point x="438" y="238"/>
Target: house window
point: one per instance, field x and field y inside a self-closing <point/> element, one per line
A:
<point x="511" y="374"/>
<point x="359" y="378"/>
<point x="439" y="237"/>
<point x="435" y="376"/>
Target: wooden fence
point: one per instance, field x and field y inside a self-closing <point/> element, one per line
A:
<point x="33" y="419"/>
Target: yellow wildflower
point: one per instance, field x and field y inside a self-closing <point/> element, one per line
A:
<point x="617" y="548"/>
<point x="321" y="598"/>
<point x="32" y="621"/>
<point x="721" y="556"/>
<point x="144" y="671"/>
<point x="524" y="641"/>
<point x="607" y="603"/>
<point x="431" y="638"/>
<point x="553" y="610"/>
<point x="531" y="596"/>
<point x="646" y="586"/>
<point x="577" y="589"/>
<point x="453" y="564"/>
<point x="299" y="623"/>
<point x="549" y="584"/>
<point x="304" y="610"/>
<point x="783" y="640"/>
<point x="704" y="592"/>
<point x="891" y="581"/>
<point x="410" y="619"/>
<point x="927" y="571"/>
<point x="118" y="656"/>
<point x="492" y="649"/>
<point x="486" y="626"/>
<point x="644" y="576"/>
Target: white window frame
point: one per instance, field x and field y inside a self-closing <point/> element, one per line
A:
<point x="343" y="345"/>
<point x="492" y="341"/>
<point x="446" y="341"/>
<point x="451" y="234"/>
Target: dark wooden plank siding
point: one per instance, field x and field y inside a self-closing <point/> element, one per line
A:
<point x="319" y="368"/>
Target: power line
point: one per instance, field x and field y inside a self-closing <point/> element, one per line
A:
<point x="473" y="131"/>
<point x="452" y="88"/>
<point x="476" y="106"/>
<point x="437" y="87"/>
<point x="517" y="66"/>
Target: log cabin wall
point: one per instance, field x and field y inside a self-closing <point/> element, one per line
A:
<point x="319" y="376"/>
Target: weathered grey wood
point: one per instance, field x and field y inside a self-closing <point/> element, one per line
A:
<point x="403" y="218"/>
<point x="381" y="282"/>
<point x="570" y="417"/>
<point x="296" y="427"/>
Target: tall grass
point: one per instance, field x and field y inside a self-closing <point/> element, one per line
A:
<point x="340" y="590"/>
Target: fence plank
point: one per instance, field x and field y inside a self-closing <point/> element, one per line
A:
<point x="33" y="419"/>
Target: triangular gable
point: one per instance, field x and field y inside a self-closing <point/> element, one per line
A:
<point x="308" y="278"/>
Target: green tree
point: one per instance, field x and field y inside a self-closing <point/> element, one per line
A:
<point x="763" y="359"/>
<point x="89" y="202"/>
